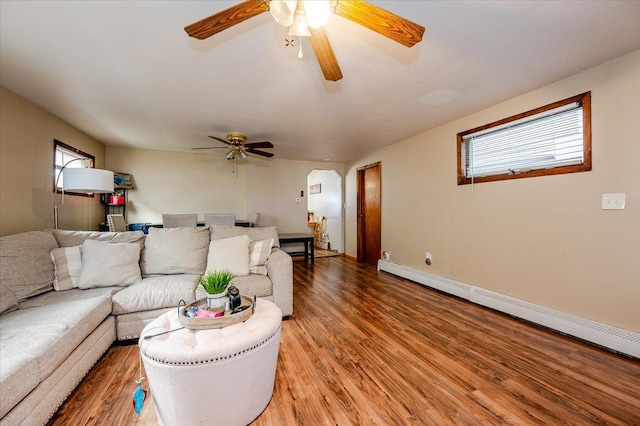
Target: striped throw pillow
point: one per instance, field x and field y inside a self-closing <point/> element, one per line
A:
<point x="259" y="252"/>
<point x="68" y="265"/>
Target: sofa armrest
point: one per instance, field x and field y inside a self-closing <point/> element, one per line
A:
<point x="280" y="271"/>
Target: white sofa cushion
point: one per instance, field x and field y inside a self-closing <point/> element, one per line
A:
<point x="231" y="254"/>
<point x="163" y="291"/>
<point x="175" y="251"/>
<point x="8" y="300"/>
<point x="67" y="262"/>
<point x="107" y="265"/>
<point x="53" y="297"/>
<point x="254" y="285"/>
<point x="34" y="345"/>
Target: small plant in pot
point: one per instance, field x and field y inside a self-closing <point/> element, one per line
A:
<point x="215" y="284"/>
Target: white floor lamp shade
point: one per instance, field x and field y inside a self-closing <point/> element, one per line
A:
<point x="97" y="181"/>
<point x="88" y="180"/>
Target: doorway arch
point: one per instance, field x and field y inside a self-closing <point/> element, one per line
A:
<point x="326" y="200"/>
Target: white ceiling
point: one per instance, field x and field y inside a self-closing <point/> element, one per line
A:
<point x="126" y="73"/>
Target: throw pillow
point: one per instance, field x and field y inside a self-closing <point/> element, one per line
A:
<point x="67" y="264"/>
<point x="25" y="263"/>
<point x="219" y="232"/>
<point x="231" y="254"/>
<point x="175" y="251"/>
<point x="66" y="238"/>
<point x="259" y="252"/>
<point x="106" y="265"/>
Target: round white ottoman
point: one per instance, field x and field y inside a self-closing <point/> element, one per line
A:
<point x="219" y="376"/>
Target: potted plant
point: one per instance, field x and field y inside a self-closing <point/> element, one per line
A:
<point x="215" y="284"/>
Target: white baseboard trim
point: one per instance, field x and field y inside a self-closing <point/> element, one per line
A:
<point x="617" y="339"/>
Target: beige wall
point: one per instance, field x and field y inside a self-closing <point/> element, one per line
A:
<point x="544" y="240"/>
<point x="26" y="169"/>
<point x="175" y="182"/>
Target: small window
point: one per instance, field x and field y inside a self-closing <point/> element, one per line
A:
<point x="71" y="157"/>
<point x="553" y="139"/>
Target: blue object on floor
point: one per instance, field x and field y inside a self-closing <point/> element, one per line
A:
<point x="139" y="395"/>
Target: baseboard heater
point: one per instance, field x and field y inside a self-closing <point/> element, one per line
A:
<point x="614" y="338"/>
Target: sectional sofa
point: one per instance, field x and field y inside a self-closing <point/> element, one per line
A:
<point x="66" y="296"/>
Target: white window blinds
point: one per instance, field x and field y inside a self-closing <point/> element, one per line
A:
<point x="550" y="139"/>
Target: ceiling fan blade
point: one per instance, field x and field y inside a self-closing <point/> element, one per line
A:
<point x="213" y="147"/>
<point x="265" y="144"/>
<point x="221" y="140"/>
<point x="255" y="151"/>
<point x="381" y="21"/>
<point x="220" y="21"/>
<point x="324" y="54"/>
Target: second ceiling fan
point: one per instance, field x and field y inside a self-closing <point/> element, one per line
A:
<point x="238" y="148"/>
<point x="297" y="15"/>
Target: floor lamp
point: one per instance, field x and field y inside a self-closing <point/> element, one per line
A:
<point x="97" y="181"/>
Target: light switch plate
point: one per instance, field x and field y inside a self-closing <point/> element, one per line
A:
<point x="613" y="201"/>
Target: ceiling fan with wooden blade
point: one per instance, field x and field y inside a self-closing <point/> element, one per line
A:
<point x="238" y="146"/>
<point x="324" y="54"/>
<point x="361" y="12"/>
<point x="213" y="24"/>
<point x="381" y="21"/>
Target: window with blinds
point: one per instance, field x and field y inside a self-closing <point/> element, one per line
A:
<point x="553" y="139"/>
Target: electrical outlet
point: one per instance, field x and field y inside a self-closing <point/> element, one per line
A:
<point x="613" y="201"/>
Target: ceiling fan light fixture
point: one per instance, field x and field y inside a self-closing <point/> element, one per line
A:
<point x="285" y="12"/>
<point x="317" y="12"/>
<point x="231" y="155"/>
<point x="243" y="155"/>
<point x="282" y="11"/>
<point x="299" y="27"/>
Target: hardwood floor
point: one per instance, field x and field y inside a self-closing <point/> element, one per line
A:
<point x="365" y="347"/>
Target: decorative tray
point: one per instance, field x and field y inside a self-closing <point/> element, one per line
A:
<point x="246" y="308"/>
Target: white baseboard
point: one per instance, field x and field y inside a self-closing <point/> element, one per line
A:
<point x="618" y="339"/>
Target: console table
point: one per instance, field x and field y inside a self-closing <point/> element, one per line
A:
<point x="306" y="238"/>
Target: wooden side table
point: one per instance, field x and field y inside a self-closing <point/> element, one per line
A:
<point x="306" y="238"/>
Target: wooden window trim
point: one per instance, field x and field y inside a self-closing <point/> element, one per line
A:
<point x="56" y="144"/>
<point x="584" y="98"/>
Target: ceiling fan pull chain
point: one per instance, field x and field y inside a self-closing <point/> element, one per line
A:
<point x="300" y="51"/>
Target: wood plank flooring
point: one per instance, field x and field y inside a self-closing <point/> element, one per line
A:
<point x="367" y="348"/>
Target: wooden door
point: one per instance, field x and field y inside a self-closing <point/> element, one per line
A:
<point x="369" y="208"/>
